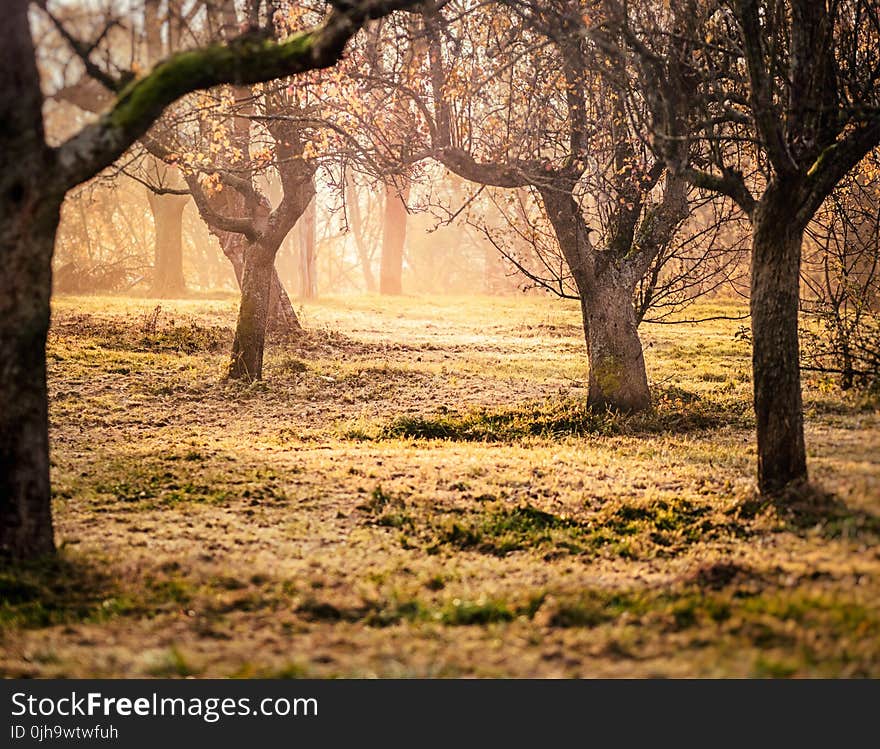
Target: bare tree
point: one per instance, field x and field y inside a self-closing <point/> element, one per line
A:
<point x="776" y="103"/>
<point x="705" y="255"/>
<point x="514" y="101"/>
<point x="33" y="186"/>
<point x="249" y="228"/>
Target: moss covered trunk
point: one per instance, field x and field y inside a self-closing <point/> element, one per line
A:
<point x="27" y="236"/>
<point x="29" y="213"/>
<point x="617" y="378"/>
<point x="605" y="285"/>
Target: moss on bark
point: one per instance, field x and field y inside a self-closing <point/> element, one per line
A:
<point x="246" y="60"/>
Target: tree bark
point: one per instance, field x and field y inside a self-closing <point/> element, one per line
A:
<point x="393" y="239"/>
<point x="253" y="316"/>
<point x="282" y="317"/>
<point x="30" y="210"/>
<point x="27" y="235"/>
<point x="168" y="279"/>
<point x="605" y="285"/>
<point x="776" y="253"/>
<point x="618" y="379"/>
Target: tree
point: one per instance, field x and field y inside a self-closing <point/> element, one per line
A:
<point x="513" y="101"/>
<point x="393" y="107"/>
<point x="363" y="240"/>
<point x="393" y="237"/>
<point x="167" y="207"/>
<point x="219" y="149"/>
<point x="777" y="102"/>
<point x="33" y="186"/>
<point x="251" y="230"/>
<point x="221" y="172"/>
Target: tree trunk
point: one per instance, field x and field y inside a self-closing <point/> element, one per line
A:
<point x="605" y="285"/>
<point x="30" y="209"/>
<point x="308" y="281"/>
<point x="617" y="379"/>
<point x="393" y="239"/>
<point x="253" y="314"/>
<point x="168" y="280"/>
<point x="776" y="252"/>
<point x="282" y="317"/>
<point x="847" y="375"/>
<point x="27" y="234"/>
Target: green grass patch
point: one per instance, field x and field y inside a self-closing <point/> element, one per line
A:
<point x="658" y="527"/>
<point x="153" y="331"/>
<point x="57" y="590"/>
<point x="501" y="530"/>
<point x="139" y="481"/>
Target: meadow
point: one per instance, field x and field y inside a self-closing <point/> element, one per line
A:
<point x="416" y="489"/>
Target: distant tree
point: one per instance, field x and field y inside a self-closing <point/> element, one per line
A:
<point x="373" y="120"/>
<point x="167" y="207"/>
<point x="515" y="99"/>
<point x="33" y="186"/>
<point x="365" y="240"/>
<point x="394" y="227"/>
<point x="206" y="145"/>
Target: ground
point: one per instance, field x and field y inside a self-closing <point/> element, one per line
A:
<point x="416" y="490"/>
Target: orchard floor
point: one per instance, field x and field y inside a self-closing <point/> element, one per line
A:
<point x="416" y="490"/>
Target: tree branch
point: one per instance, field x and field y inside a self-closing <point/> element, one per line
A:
<point x="244" y="226"/>
<point x="84" y="51"/>
<point x="836" y="161"/>
<point x="730" y="183"/>
<point x="251" y="58"/>
<point x="760" y="97"/>
<point x="511" y="174"/>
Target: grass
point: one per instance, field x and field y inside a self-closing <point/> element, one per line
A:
<point x="68" y="590"/>
<point x="416" y="489"/>
<point x="784" y="629"/>
<point x="660" y="528"/>
<point x="501" y="530"/>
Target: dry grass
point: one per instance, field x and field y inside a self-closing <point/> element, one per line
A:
<point x="416" y="490"/>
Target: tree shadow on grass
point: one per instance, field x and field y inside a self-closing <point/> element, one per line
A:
<point x="807" y="508"/>
<point x="55" y="590"/>
<point x="673" y="412"/>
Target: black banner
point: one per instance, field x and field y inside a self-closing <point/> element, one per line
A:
<point x="463" y="713"/>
